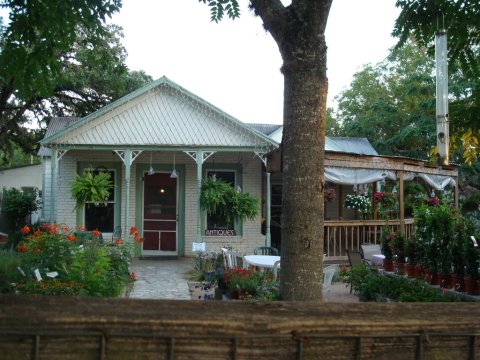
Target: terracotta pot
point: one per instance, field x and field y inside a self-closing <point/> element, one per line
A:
<point x="434" y="278"/>
<point x="471" y="287"/>
<point x="459" y="284"/>
<point x="419" y="271"/>
<point x="444" y="280"/>
<point x="452" y="281"/>
<point x="388" y="265"/>
<point x="410" y="270"/>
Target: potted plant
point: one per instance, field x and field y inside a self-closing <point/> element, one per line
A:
<point x="399" y="252"/>
<point x="359" y="202"/>
<point x="91" y="188"/>
<point x="410" y="268"/>
<point x="219" y="197"/>
<point x="387" y="250"/>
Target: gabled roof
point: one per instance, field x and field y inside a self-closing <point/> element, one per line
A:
<point x="161" y="113"/>
<point x="54" y="126"/>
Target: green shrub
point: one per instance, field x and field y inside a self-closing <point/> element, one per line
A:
<point x="9" y="273"/>
<point x="374" y="286"/>
<point x="17" y="205"/>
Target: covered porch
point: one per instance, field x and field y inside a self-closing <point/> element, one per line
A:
<point x="344" y="229"/>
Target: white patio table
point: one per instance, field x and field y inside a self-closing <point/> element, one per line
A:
<point x="262" y="261"/>
<point x="377" y="259"/>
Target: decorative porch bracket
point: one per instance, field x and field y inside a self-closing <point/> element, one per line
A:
<point x="268" y="236"/>
<point x="199" y="157"/>
<point x="204" y="157"/>
<point x="127" y="156"/>
<point x="60" y="154"/>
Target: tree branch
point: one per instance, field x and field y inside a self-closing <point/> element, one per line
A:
<point x="272" y="13"/>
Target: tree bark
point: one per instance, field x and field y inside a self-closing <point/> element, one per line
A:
<point x="299" y="31"/>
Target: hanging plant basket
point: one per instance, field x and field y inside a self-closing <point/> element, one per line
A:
<point x="91" y="188"/>
<point x="219" y="197"/>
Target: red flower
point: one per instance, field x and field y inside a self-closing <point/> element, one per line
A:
<point x="70" y="237"/>
<point x="81" y="228"/>
<point x="138" y="239"/>
<point x="37" y="233"/>
<point x="133" y="230"/>
<point x="65" y="228"/>
<point x="96" y="233"/>
<point x="52" y="229"/>
<point x="119" y="242"/>
<point x="22" y="248"/>
<point x="43" y="227"/>
<point x="133" y="276"/>
<point x="25" y="230"/>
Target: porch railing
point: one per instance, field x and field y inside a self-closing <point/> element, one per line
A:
<point x="341" y="234"/>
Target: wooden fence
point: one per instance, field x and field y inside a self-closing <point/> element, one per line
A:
<point x="55" y="328"/>
<point x="342" y="235"/>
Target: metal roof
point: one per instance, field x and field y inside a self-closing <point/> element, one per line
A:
<point x="162" y="114"/>
<point x="355" y="145"/>
<point x="54" y="126"/>
<point x="266" y="129"/>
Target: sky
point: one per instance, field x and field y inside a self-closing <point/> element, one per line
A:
<point x="235" y="65"/>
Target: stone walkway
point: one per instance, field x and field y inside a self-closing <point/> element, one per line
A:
<point x="165" y="279"/>
<point x="160" y="279"/>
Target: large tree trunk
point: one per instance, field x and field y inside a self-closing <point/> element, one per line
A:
<point x="299" y="31"/>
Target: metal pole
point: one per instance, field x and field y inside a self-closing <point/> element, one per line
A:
<point x="128" y="163"/>
<point x="199" y="160"/>
<point x="268" y="238"/>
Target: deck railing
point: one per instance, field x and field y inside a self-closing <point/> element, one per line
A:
<point x="341" y="234"/>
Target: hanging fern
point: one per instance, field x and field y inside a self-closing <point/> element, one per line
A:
<point x="91" y="188"/>
<point x="219" y="197"/>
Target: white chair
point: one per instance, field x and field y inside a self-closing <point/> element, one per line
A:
<point x="230" y="259"/>
<point x="276" y="267"/>
<point x="328" y="274"/>
<point x="367" y="250"/>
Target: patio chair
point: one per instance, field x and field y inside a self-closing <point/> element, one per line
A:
<point x="328" y="274"/>
<point x="230" y="259"/>
<point x="367" y="250"/>
<point x="265" y="250"/>
<point x="354" y="257"/>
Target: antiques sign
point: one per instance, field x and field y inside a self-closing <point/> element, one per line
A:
<point x="220" y="232"/>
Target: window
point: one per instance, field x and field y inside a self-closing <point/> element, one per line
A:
<point x="214" y="221"/>
<point x="101" y="216"/>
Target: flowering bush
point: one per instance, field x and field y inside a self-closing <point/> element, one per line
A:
<point x="433" y="201"/>
<point x="56" y="260"/>
<point x="329" y="195"/>
<point x="387" y="245"/>
<point x="358" y="202"/>
<point x="245" y="281"/>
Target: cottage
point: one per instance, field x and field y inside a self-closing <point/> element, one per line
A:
<point x="158" y="143"/>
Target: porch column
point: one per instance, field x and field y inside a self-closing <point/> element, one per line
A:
<point x="268" y="237"/>
<point x="53" y="182"/>
<point x="127" y="160"/>
<point x="199" y="161"/>
<point x="401" y="203"/>
<point x="455" y="194"/>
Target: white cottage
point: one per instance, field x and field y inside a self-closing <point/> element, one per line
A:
<point x="158" y="143"/>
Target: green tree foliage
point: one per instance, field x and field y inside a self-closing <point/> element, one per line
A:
<point x="57" y="58"/>
<point x="392" y="104"/>
<point x="420" y="19"/>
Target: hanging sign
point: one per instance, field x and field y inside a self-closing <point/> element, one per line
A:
<point x="220" y="232"/>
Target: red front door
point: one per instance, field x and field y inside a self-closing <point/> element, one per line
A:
<point x="159" y="215"/>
